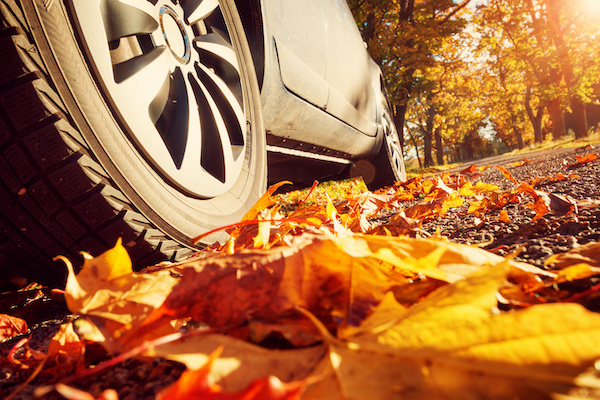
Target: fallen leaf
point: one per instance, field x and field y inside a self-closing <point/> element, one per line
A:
<point x="241" y="363"/>
<point x="520" y="163"/>
<point x="585" y="254"/>
<point x="112" y="296"/>
<point x="576" y="272"/>
<point x="11" y="326"/>
<point x="507" y="174"/>
<point x="196" y="384"/>
<point x="72" y="393"/>
<point x="583" y="160"/>
<point x="504" y="216"/>
<point x="454" y="345"/>
<point x="66" y="345"/>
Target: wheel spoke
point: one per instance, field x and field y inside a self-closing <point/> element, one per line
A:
<point x="197" y="10"/>
<point x="143" y="76"/>
<point x="122" y="20"/>
<point x="218" y="47"/>
<point x="212" y="156"/>
<point x="173" y="124"/>
<point x="172" y="72"/>
<point x="228" y="103"/>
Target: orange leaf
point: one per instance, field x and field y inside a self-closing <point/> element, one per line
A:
<point x="11" y="326"/>
<point x="582" y="160"/>
<point x="520" y="163"/>
<point x="504" y="216"/>
<point x="66" y="346"/>
<point x="507" y="174"/>
<point x="264" y="202"/>
<point x="470" y="169"/>
<point x="539" y="207"/>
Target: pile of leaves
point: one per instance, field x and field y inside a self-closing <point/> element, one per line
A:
<point x="340" y="299"/>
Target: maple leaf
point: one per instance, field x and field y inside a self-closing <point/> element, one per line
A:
<point x="455" y="346"/>
<point x="545" y="202"/>
<point x="112" y="296"/>
<point x="11" y="326"/>
<point x="264" y="284"/>
<point x="66" y="350"/>
<point x="340" y="279"/>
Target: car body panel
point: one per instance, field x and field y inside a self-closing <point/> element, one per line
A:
<point x="302" y="57"/>
<point x="331" y="104"/>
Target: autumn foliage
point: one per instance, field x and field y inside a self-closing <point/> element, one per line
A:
<point x="342" y="299"/>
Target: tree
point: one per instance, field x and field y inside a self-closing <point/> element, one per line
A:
<point x="404" y="37"/>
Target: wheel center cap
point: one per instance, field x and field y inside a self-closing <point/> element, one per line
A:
<point x="175" y="35"/>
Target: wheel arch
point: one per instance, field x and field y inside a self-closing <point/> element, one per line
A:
<point x="252" y="19"/>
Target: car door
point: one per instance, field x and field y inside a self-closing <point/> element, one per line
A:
<point x="350" y="72"/>
<point x="299" y="30"/>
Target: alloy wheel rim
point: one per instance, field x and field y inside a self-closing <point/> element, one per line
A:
<point x="170" y="74"/>
<point x="392" y="142"/>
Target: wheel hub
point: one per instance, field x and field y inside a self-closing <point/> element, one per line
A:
<point x="175" y="34"/>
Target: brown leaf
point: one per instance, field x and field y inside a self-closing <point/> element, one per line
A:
<point x="315" y="274"/>
<point x="586" y="254"/>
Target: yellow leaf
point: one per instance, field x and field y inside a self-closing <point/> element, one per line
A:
<point x="111" y="295"/>
<point x="451" y="201"/>
<point x="576" y="272"/>
<point x="261" y="240"/>
<point x="456" y="345"/>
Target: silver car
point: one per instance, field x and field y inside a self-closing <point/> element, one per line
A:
<point x="158" y="120"/>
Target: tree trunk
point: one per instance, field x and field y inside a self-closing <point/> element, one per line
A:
<point x="439" y="147"/>
<point x="519" y="136"/>
<point x="535" y="118"/>
<point x="414" y="142"/>
<point x="580" y="124"/>
<point x="428" y="138"/>
<point x="558" y="119"/>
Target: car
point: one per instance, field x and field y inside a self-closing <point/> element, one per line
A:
<point x="155" y="121"/>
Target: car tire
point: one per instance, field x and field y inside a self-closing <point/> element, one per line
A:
<point x="387" y="166"/>
<point x="81" y="166"/>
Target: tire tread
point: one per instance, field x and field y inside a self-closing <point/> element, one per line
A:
<point x="55" y="198"/>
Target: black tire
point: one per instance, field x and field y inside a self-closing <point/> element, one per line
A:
<point x="75" y="175"/>
<point x="387" y="166"/>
